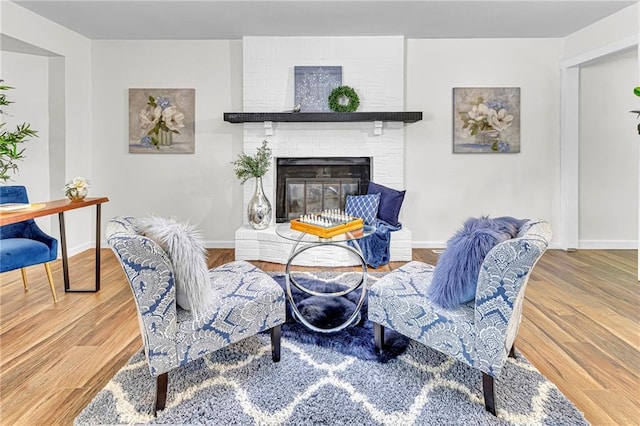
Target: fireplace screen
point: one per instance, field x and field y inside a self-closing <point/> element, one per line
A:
<point x="310" y="185"/>
<point x="315" y="195"/>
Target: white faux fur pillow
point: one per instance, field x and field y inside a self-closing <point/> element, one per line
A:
<point x="183" y="243"/>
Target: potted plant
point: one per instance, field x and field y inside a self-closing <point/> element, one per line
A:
<point x="10" y="148"/>
<point x="256" y="166"/>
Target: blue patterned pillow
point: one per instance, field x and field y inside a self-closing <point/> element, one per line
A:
<point x="364" y="206"/>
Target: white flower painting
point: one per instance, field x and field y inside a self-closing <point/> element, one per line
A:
<point x="486" y="120"/>
<point x="161" y="121"/>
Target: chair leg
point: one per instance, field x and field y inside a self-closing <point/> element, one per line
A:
<point x="512" y="352"/>
<point x="162" y="382"/>
<point x="489" y="394"/>
<point x="47" y="268"/>
<point x="275" y="343"/>
<point x="24" y="278"/>
<point x="378" y="336"/>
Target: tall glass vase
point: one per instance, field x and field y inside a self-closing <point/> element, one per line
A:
<point x="259" y="208"/>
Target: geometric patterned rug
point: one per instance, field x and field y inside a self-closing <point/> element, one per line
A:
<point x="313" y="385"/>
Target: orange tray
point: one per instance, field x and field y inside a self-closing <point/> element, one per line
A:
<point x="329" y="232"/>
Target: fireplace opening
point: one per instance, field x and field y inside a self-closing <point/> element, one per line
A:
<point x="309" y="185"/>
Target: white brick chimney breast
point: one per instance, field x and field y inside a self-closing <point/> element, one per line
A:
<point x="374" y="67"/>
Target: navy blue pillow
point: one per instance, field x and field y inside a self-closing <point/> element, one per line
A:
<point x="390" y="202"/>
<point x="455" y="276"/>
<point x="364" y="206"/>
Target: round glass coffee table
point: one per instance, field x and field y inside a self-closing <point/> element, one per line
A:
<point x="303" y="242"/>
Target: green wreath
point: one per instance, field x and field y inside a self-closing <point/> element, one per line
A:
<point x="343" y="92"/>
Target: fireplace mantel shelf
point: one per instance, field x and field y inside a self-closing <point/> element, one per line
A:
<point x="325" y="117"/>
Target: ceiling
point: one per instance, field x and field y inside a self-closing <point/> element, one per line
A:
<point x="214" y="19"/>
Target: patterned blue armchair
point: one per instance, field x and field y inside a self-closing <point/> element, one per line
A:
<point x="248" y="302"/>
<point x="481" y="333"/>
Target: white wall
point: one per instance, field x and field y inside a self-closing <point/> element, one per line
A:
<point x="29" y="75"/>
<point x="443" y="189"/>
<point x="200" y="187"/>
<point x="602" y="78"/>
<point x="609" y="152"/>
<point x="69" y="75"/>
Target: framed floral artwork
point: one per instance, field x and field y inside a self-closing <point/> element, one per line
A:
<point x="486" y="119"/>
<point x="161" y="121"/>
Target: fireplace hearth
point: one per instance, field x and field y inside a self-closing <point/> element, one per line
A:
<point x="313" y="184"/>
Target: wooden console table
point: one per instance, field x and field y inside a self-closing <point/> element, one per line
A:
<point x="61" y="206"/>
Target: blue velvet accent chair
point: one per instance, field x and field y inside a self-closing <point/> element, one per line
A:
<point x="480" y="333"/>
<point x="248" y="301"/>
<point x="24" y="244"/>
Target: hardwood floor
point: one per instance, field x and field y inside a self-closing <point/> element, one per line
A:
<point x="580" y="328"/>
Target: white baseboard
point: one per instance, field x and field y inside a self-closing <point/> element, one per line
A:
<point x="220" y="244"/>
<point x="72" y="251"/>
<point x="608" y="244"/>
<point x="583" y="244"/>
<point x="443" y="244"/>
<point x="428" y="244"/>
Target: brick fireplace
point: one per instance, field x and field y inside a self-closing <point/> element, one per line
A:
<point x="374" y="66"/>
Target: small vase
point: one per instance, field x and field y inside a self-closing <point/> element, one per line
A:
<point x="259" y="208"/>
<point x="77" y="194"/>
<point x="488" y="137"/>
<point x="165" y="138"/>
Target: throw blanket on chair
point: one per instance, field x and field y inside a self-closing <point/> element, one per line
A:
<point x="375" y="247"/>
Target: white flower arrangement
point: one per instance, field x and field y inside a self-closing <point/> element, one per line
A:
<point x="159" y="114"/>
<point x="491" y="115"/>
<point x="77" y="188"/>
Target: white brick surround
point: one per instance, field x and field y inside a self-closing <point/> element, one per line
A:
<point x="374" y="67"/>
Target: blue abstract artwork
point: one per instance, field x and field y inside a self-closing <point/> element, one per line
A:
<point x="313" y="85"/>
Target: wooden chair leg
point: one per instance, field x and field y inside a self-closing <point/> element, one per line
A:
<point x="162" y="382"/>
<point x="489" y="394"/>
<point x="378" y="337"/>
<point x="512" y="352"/>
<point x="275" y="343"/>
<point x="23" y="271"/>
<point x="47" y="268"/>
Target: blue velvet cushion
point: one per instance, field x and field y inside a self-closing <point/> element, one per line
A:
<point x="364" y="206"/>
<point x="390" y="203"/>
<point x="21" y="252"/>
<point x="23" y="244"/>
<point x="456" y="274"/>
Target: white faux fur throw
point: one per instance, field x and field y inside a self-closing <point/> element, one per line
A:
<point x="184" y="246"/>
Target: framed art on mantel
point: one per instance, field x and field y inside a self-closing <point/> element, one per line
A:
<point x="161" y="121"/>
<point x="313" y="85"/>
<point x="486" y="119"/>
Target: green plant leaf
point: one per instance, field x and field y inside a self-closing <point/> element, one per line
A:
<point x="10" y="150"/>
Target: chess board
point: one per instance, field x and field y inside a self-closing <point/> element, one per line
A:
<point x="333" y="229"/>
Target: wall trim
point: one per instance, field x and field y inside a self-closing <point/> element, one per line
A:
<point x="608" y="49"/>
<point x="570" y="137"/>
<point x="443" y="244"/>
<point x="608" y="245"/>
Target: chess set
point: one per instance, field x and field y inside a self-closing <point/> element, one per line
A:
<point x="327" y="224"/>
